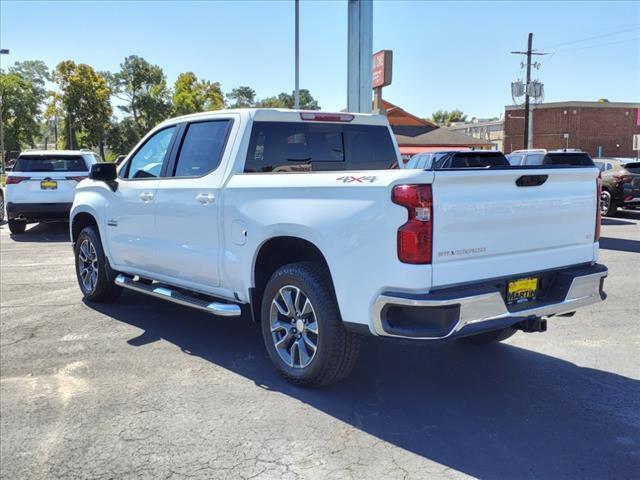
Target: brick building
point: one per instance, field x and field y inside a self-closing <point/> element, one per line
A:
<point x="604" y="128"/>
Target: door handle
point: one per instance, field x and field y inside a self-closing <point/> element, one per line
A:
<point x="146" y="197"/>
<point x="205" y="198"/>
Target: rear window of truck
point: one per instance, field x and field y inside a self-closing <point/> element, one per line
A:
<point x="305" y="147"/>
<point x="42" y="163"/>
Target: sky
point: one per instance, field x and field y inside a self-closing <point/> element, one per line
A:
<point x="446" y="55"/>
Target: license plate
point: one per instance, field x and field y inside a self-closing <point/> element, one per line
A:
<point x="48" y="185"/>
<point x="522" y="290"/>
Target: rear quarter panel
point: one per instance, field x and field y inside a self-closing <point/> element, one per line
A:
<point x="352" y="222"/>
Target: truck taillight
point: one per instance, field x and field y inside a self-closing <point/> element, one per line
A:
<point x="596" y="233"/>
<point x="15" y="180"/>
<point x="415" y="237"/>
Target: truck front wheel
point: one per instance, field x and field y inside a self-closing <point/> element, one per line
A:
<point x="91" y="268"/>
<point x="302" y="328"/>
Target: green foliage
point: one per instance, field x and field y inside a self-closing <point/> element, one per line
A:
<point x="284" y="100"/>
<point x="143" y="88"/>
<point x="191" y="95"/>
<point x="307" y="102"/>
<point x="20" y="110"/>
<point x="271" y="102"/>
<point x="85" y="97"/>
<point x="242" y="97"/>
<point x="445" y="117"/>
<point x="78" y="113"/>
<point x="121" y="136"/>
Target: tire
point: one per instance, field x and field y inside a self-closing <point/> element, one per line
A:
<point x="608" y="207"/>
<point x="311" y="317"/>
<point x="92" y="268"/>
<point x="489" y="337"/>
<point x="17" y="227"/>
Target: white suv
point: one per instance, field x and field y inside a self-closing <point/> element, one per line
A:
<point x="42" y="184"/>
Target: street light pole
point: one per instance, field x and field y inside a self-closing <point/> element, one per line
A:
<point x="3" y="51"/>
<point x="296" y="92"/>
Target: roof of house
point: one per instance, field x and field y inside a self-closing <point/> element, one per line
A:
<point x="442" y="136"/>
<point x="398" y="116"/>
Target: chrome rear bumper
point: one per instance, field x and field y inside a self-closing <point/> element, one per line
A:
<point x="481" y="307"/>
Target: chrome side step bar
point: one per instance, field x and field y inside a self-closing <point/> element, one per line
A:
<point x="166" y="293"/>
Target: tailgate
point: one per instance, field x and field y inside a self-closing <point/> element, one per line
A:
<point x="486" y="226"/>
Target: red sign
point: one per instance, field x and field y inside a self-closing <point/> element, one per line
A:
<point x="381" y="69"/>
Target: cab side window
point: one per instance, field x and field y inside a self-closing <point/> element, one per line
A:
<point x="202" y="148"/>
<point x="147" y="162"/>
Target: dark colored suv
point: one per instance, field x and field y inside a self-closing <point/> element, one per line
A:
<point x="620" y="185"/>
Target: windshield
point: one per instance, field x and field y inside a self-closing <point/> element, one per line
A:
<point x="563" y="158"/>
<point x="42" y="163"/>
<point x="473" y="160"/>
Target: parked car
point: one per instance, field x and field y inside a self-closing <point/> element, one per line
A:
<point x="42" y="183"/>
<point x="1" y="203"/>
<point x="549" y="157"/>
<point x="447" y="159"/>
<point x="300" y="219"/>
<point x="620" y="185"/>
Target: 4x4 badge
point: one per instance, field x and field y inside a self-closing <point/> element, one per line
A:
<point x="350" y="179"/>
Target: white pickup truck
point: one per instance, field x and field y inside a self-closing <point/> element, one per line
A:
<point x="303" y="221"/>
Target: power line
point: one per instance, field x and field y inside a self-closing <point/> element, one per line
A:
<point x="592" y="38"/>
<point x="598" y="45"/>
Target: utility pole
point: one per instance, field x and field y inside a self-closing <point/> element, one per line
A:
<point x="296" y="92"/>
<point x="528" y="53"/>
<point x="3" y="51"/>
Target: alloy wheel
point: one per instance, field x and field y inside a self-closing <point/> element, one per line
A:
<point x="88" y="265"/>
<point x="294" y="326"/>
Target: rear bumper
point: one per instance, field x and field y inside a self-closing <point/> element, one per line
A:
<point x="471" y="309"/>
<point x="33" y="212"/>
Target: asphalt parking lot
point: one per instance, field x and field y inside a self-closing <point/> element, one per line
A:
<point x="146" y="389"/>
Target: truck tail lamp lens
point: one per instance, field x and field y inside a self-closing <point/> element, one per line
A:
<point x="15" y="180"/>
<point x="415" y="237"/>
<point x="596" y="233"/>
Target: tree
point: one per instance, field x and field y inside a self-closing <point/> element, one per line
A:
<point x="191" y="95"/>
<point x="445" y="118"/>
<point x="271" y="102"/>
<point x="20" y="111"/>
<point x="242" y="97"/>
<point x="36" y="72"/>
<point x="85" y="96"/>
<point x="121" y="136"/>
<point x="143" y="88"/>
<point x="307" y="102"/>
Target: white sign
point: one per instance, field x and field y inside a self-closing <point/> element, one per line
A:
<point x="636" y="142"/>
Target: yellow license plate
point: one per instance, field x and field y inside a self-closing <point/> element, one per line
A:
<point x="522" y="290"/>
<point x="48" y="185"/>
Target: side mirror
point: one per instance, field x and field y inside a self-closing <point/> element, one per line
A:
<point x="105" y="172"/>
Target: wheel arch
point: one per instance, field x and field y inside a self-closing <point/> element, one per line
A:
<point x="274" y="253"/>
<point x="80" y="221"/>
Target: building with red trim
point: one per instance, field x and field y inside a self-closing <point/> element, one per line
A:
<point x="417" y="135"/>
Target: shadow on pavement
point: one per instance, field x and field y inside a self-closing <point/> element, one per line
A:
<point x="611" y="221"/>
<point x="620" y="244"/>
<point x="46" y="232"/>
<point x="490" y="412"/>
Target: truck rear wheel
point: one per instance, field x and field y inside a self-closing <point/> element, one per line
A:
<point x="92" y="266"/>
<point x="489" y="337"/>
<point x="302" y="328"/>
